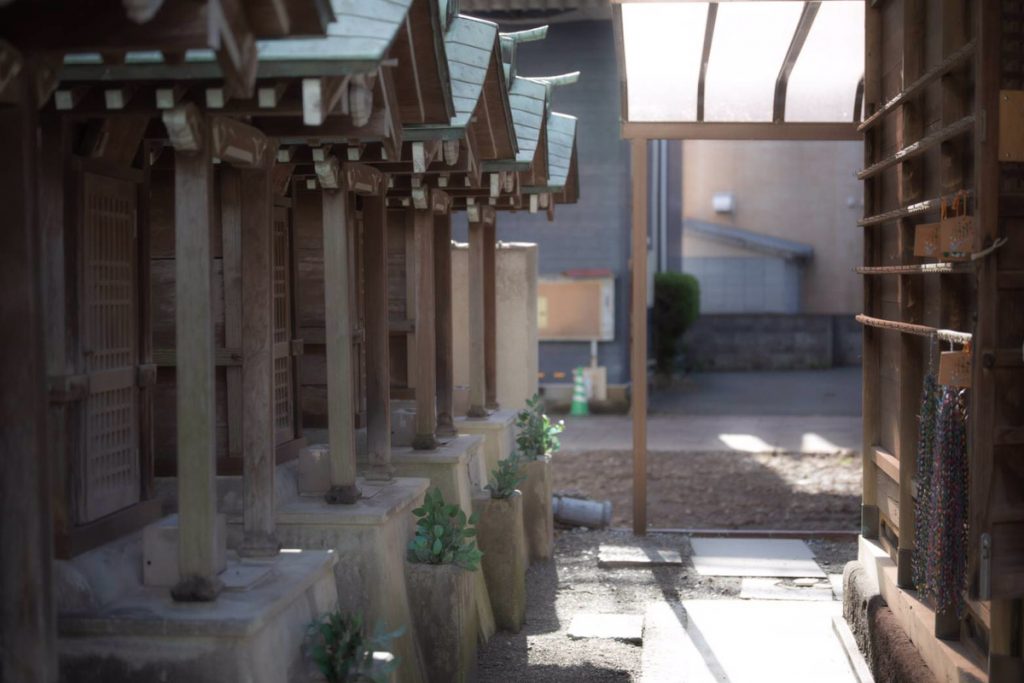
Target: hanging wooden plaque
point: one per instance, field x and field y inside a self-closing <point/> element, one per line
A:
<point x="926" y="240"/>
<point x="958" y="238"/>
<point x="955" y="369"/>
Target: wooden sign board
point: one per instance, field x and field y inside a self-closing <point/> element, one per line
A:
<point x="959" y="238"/>
<point x="1011" y="125"/>
<point x="926" y="240"/>
<point x="576" y="309"/>
<point x="955" y="369"/>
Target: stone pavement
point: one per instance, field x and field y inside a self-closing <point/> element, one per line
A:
<point x="718" y="433"/>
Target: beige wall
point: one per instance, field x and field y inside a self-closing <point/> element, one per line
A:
<point x="794" y="190"/>
<point x="516" y="279"/>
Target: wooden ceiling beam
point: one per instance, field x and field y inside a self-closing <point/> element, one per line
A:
<point x="796" y="45"/>
<point x="235" y="44"/>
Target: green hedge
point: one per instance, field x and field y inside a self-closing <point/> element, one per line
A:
<point x="676" y="307"/>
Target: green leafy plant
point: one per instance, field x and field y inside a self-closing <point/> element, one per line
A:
<point x="443" y="534"/>
<point x="537" y="433"/>
<point x="676" y="307"/>
<point x="344" y="653"/>
<point x="506" y="477"/>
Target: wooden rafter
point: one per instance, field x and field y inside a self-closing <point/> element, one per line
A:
<point x="796" y="45"/>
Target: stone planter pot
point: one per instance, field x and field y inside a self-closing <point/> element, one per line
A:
<point x="501" y="537"/>
<point x="444" y="614"/>
<point x="538" y="521"/>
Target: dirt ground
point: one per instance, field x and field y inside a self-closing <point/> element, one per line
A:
<point x="721" y="490"/>
<point x="573" y="583"/>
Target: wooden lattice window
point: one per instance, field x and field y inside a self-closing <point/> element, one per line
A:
<point x="109" y="473"/>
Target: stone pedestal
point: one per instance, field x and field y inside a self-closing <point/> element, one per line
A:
<point x="502" y="540"/>
<point x="369" y="538"/>
<point x="537" y="514"/>
<point x="445" y="616"/>
<point x="498" y="431"/>
<point x="160" y="551"/>
<point x="449" y="468"/>
<point x="253" y="633"/>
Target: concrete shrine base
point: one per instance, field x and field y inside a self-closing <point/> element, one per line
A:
<point x="498" y="430"/>
<point x="448" y="468"/>
<point x="114" y="629"/>
<point x="369" y="538"/>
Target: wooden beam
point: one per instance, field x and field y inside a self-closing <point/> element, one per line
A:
<point x="196" y="412"/>
<point x="235" y="45"/>
<point x="695" y="130"/>
<point x="378" y="371"/>
<point x="426" y="334"/>
<point x="259" y="537"/>
<point x="638" y="339"/>
<point x="338" y="340"/>
<point x="803" y="27"/>
<point x="240" y="144"/>
<point x="477" y="362"/>
<point x="364" y="180"/>
<point x="490" y="316"/>
<point x="28" y="612"/>
<point x="444" y="361"/>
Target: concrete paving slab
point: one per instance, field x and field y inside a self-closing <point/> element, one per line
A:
<point x="754" y="557"/>
<point x="626" y="556"/>
<point x="763" y="588"/>
<point x="669" y="654"/>
<point x="755" y="641"/>
<point x="837" y="585"/>
<point x="627" y="628"/>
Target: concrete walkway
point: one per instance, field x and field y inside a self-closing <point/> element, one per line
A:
<point x="718" y="433"/>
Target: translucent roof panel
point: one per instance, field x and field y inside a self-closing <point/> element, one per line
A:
<point x="750" y="42"/>
<point x="823" y="83"/>
<point x="663" y="43"/>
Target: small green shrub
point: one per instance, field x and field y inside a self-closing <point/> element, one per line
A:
<point x="676" y="307"/>
<point x="505" y="479"/>
<point x="344" y="653"/>
<point x="443" y="533"/>
<point x="538" y="435"/>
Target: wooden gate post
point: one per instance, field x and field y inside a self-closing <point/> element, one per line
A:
<point x="426" y="333"/>
<point x="338" y="338"/>
<point x="28" y="621"/>
<point x="197" y="452"/>
<point x="490" y="317"/>
<point x="378" y="370"/>
<point x="477" y="361"/>
<point x="638" y="327"/>
<point x="443" y="324"/>
<point x="256" y="198"/>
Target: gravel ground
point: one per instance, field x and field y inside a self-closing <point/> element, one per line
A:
<point x="728" y="490"/>
<point x="573" y="583"/>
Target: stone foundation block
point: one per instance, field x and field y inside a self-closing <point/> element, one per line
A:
<point x="498" y="430"/>
<point x="160" y="551"/>
<point x="403" y="423"/>
<point x="537" y="514"/>
<point x="445" y="616"/>
<point x="314" y="470"/>
<point x="502" y="540"/>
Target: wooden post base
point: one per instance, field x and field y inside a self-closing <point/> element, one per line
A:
<point x="197" y="589"/>
<point x="343" y="495"/>
<point x="424" y="442"/>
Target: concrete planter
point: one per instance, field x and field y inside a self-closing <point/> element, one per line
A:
<point x="444" y="614"/>
<point x="537" y="517"/>
<point x="501" y="537"/>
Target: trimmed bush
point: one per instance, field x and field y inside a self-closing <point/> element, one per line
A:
<point x="676" y="307"/>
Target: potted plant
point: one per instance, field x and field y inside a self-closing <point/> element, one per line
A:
<point x="442" y="557"/>
<point x="343" y="653"/>
<point x="536" y="441"/>
<point x="502" y="539"/>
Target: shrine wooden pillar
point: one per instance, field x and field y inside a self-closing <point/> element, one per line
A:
<point x="338" y="339"/>
<point x="194" y="343"/>
<point x="478" y="219"/>
<point x="256" y="213"/>
<point x="443" y="324"/>
<point x="378" y="371"/>
<point x="490" y="317"/>
<point x="28" y="623"/>
<point x="426" y="334"/>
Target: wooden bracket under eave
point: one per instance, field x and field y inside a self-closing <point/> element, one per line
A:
<point x="364" y="180"/>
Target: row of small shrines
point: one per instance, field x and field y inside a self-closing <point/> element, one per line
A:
<point x="233" y="222"/>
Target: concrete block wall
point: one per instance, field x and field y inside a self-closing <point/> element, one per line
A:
<point x="771" y="342"/>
